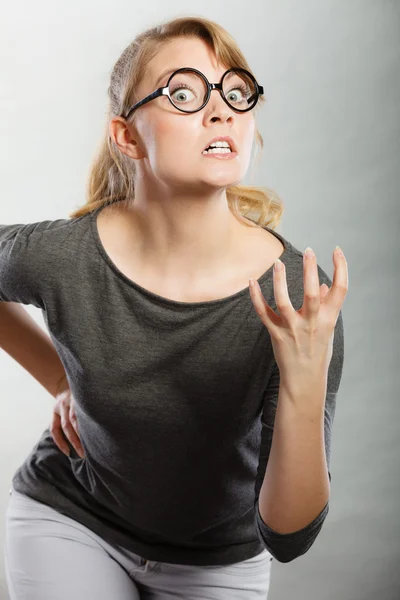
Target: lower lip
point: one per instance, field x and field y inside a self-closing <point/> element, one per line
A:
<point x="223" y="155"/>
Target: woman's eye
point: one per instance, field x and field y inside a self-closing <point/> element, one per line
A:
<point x="237" y="92"/>
<point x="181" y="94"/>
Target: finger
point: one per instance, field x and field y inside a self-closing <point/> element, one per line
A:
<point x="74" y="422"/>
<point x="340" y="283"/>
<point x="57" y="434"/>
<point x="69" y="431"/>
<point x="323" y="290"/>
<point x="281" y="292"/>
<point x="312" y="299"/>
<point x="268" y="317"/>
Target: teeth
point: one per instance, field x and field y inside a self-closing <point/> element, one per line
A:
<point x="219" y="150"/>
<point x="220" y="145"/>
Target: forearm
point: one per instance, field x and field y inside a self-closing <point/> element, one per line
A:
<point x="26" y="342"/>
<point x="296" y="484"/>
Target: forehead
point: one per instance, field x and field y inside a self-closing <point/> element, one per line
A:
<point x="183" y="52"/>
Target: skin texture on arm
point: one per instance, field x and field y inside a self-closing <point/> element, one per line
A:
<point x="26" y="342"/>
<point x="296" y="484"/>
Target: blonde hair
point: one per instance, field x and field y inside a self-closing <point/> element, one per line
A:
<point x="111" y="175"/>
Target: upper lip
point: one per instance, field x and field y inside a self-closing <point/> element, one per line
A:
<point x="222" y="138"/>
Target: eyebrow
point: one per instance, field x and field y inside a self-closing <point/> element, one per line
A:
<point x="164" y="73"/>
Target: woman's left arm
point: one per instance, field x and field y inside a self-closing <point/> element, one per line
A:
<point x="296" y="485"/>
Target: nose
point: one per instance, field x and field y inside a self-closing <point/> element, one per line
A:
<point x="216" y="106"/>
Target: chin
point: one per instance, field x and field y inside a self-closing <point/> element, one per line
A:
<point x="218" y="185"/>
<point x="223" y="181"/>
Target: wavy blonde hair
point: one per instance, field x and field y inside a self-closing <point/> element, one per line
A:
<point x="112" y="173"/>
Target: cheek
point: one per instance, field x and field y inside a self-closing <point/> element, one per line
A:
<point x="156" y="132"/>
<point x="162" y="134"/>
<point x="248" y="135"/>
<point x="174" y="136"/>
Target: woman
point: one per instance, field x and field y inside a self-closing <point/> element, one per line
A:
<point x="173" y="366"/>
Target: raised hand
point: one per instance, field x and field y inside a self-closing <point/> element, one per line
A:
<point x="302" y="340"/>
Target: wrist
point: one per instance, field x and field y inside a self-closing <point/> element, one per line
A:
<point x="61" y="385"/>
<point x="304" y="390"/>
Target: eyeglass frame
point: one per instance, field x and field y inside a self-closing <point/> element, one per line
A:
<point x="164" y="91"/>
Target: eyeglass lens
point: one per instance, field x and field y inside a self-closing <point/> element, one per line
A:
<point x="188" y="91"/>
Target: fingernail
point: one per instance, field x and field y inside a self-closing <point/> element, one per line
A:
<point x="339" y="251"/>
<point x="278" y="265"/>
<point x="309" y="252"/>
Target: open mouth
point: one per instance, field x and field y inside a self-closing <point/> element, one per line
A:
<point x="221" y="145"/>
<point x="213" y="150"/>
<point x="220" y="150"/>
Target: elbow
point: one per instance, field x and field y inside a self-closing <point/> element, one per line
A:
<point x="287" y="547"/>
<point x="285" y="554"/>
<point x="288" y="556"/>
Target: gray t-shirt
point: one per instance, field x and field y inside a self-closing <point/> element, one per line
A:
<point x="175" y="401"/>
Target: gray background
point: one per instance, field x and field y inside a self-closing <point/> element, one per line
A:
<point x="330" y="70"/>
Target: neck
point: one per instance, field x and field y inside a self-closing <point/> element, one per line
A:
<point x="183" y="235"/>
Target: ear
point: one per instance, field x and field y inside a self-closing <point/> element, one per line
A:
<point x="125" y="136"/>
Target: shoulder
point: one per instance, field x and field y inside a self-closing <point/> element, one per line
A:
<point x="29" y="232"/>
<point x="31" y="256"/>
<point x="46" y="236"/>
<point x="294" y="264"/>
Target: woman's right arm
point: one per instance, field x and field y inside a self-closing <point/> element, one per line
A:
<point x="26" y="342"/>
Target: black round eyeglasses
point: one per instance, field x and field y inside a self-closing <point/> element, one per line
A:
<point x="189" y="90"/>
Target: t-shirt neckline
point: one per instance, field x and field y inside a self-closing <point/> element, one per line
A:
<point x="168" y="301"/>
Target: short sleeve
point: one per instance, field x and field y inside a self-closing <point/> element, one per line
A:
<point x="20" y="264"/>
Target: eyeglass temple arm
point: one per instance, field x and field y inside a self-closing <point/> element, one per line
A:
<point x="160" y="92"/>
<point x="260" y="92"/>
